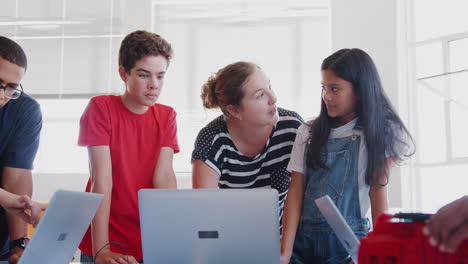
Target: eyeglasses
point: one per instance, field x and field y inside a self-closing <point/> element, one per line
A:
<point x="11" y="92"/>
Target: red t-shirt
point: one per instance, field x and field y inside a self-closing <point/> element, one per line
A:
<point x="135" y="141"/>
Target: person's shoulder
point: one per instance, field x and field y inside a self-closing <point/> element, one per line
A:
<point x="304" y="128"/>
<point x="163" y="109"/>
<point x="26" y="98"/>
<point x="398" y="140"/>
<point x="213" y="134"/>
<point x="289" y="118"/>
<point x="394" y="129"/>
<point x="101" y="102"/>
<point x="285" y="114"/>
<point x="26" y="107"/>
<point x="393" y="125"/>
<point x="213" y="128"/>
<point x="216" y="125"/>
<point x="164" y="114"/>
<point x="104" y="99"/>
<point x="105" y="103"/>
<point x="28" y="101"/>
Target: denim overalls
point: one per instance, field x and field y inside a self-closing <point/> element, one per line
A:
<point x="315" y="241"/>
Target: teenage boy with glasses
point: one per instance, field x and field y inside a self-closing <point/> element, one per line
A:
<point x="20" y="125"/>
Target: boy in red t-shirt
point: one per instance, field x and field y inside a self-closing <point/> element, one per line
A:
<point x="131" y="141"/>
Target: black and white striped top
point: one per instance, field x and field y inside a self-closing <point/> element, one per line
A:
<point x="266" y="170"/>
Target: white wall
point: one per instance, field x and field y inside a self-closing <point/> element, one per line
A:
<point x="289" y="49"/>
<point x="377" y="27"/>
<point x="373" y="25"/>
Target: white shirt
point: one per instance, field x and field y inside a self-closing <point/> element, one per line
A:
<point x="296" y="163"/>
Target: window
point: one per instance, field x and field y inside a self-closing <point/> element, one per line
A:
<point x="281" y="37"/>
<point x="440" y="104"/>
<point x="72" y="49"/>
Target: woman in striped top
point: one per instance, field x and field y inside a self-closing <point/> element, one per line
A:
<point x="248" y="146"/>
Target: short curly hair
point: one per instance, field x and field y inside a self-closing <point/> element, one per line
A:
<point x="12" y="52"/>
<point x="139" y="44"/>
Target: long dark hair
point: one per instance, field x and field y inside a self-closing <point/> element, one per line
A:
<point x="385" y="134"/>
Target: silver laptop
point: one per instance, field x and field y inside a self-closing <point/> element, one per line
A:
<point x="342" y="230"/>
<point x="62" y="227"/>
<point x="210" y="226"/>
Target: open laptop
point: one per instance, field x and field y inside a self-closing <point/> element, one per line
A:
<point x="342" y="230"/>
<point x="210" y="226"/>
<point x="61" y="228"/>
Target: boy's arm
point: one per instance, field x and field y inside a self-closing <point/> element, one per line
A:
<point x="292" y="215"/>
<point x="101" y="178"/>
<point x="101" y="182"/>
<point x="164" y="176"/>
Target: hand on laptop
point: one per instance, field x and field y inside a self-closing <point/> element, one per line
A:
<point x="23" y="207"/>
<point x="449" y="226"/>
<point x="106" y="256"/>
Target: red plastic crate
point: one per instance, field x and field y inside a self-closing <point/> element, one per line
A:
<point x="403" y="243"/>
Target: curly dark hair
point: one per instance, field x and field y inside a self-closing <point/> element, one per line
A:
<point x="12" y="52"/>
<point x="139" y="44"/>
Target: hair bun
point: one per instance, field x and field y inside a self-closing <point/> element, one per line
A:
<point x="208" y="94"/>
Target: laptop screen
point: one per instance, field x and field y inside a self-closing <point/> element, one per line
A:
<point x="62" y="227"/>
<point x="336" y="221"/>
<point x="210" y="226"/>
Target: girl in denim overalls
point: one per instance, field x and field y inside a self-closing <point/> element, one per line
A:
<point x="346" y="153"/>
